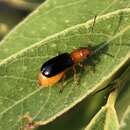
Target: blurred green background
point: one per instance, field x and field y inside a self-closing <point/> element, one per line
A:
<point x="14" y="11"/>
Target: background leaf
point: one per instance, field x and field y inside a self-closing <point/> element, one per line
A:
<point x="106" y="118"/>
<point x="123" y="106"/>
<point x="125" y="124"/>
<point x="19" y="90"/>
<point x="123" y="101"/>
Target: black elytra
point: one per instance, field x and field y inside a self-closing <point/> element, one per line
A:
<point x="57" y="64"/>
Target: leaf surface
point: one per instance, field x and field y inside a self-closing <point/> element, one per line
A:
<point x="53" y="17"/>
<point x="105" y="119"/>
<point x="125" y="123"/>
<point x="20" y="93"/>
<point x="123" y="106"/>
<point x="123" y="100"/>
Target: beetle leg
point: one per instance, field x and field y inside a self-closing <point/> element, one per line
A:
<point x="62" y="85"/>
<point x="94" y="22"/>
<point x="75" y="75"/>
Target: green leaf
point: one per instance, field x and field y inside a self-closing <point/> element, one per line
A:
<point x="125" y="123"/>
<point x="20" y="93"/>
<point x="123" y="106"/>
<point x="53" y="17"/>
<point x="85" y="110"/>
<point x="123" y="100"/>
<point x="106" y="118"/>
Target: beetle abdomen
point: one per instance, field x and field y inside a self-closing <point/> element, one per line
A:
<point x="57" y="65"/>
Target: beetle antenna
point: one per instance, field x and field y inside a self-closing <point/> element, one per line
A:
<point x="105" y="43"/>
<point x="94" y="22"/>
<point x="119" y="23"/>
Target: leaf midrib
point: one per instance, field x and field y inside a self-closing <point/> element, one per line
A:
<point x="87" y="24"/>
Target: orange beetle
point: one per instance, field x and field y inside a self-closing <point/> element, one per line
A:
<point x="54" y="69"/>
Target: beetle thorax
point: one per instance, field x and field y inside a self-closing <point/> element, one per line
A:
<point x="79" y="55"/>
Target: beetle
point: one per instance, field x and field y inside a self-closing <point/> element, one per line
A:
<point x="54" y="69"/>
